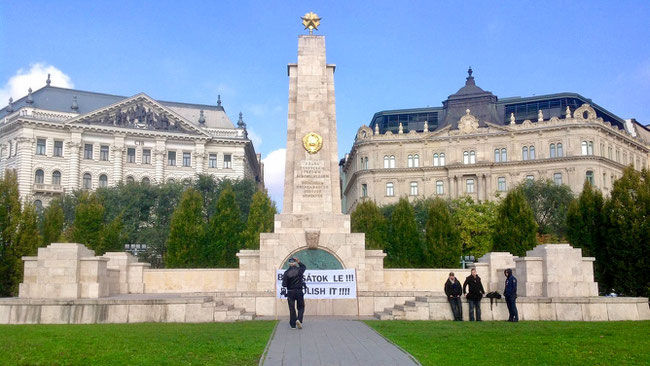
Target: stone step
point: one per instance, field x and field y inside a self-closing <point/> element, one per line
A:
<point x="430" y="298"/>
<point x="383" y="316"/>
<point x="223" y="307"/>
<point x="405" y="307"/>
<point x="235" y="312"/>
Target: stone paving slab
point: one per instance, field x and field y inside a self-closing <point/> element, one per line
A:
<point x="325" y="342"/>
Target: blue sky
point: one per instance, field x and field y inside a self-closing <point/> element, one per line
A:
<point x="389" y="54"/>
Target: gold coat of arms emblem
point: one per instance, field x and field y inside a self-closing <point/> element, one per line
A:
<point x="312" y="142"/>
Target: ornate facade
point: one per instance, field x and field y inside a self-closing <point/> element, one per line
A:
<point x="60" y="140"/>
<point x="480" y="146"/>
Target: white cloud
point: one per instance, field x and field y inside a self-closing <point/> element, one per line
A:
<point x="255" y="138"/>
<point x="17" y="85"/>
<point x="274" y="174"/>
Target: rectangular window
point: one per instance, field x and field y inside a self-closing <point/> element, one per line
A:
<point x="469" y="185"/>
<point x="390" y="189"/>
<point x="589" y="176"/>
<point x="187" y="159"/>
<point x="58" y="148"/>
<point x="146" y="156"/>
<point x="414" y="188"/>
<point x="227" y="161"/>
<point x="530" y="177"/>
<point x="212" y="162"/>
<point x="557" y="179"/>
<point x="103" y="153"/>
<point x="501" y="184"/>
<point x="171" y="158"/>
<point x="40" y="147"/>
<point x="440" y="188"/>
<point x="364" y="190"/>
<point x="130" y="155"/>
<point x="88" y="151"/>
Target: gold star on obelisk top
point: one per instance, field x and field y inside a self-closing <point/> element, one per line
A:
<point x="311" y="21"/>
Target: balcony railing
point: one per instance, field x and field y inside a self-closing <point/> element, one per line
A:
<point x="48" y="188"/>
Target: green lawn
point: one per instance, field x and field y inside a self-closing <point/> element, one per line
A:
<point x="240" y="343"/>
<point x="523" y="343"/>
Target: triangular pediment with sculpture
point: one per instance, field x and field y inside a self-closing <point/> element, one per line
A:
<point x="139" y="112"/>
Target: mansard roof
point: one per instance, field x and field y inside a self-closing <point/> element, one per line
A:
<point x="58" y="99"/>
<point x="488" y="108"/>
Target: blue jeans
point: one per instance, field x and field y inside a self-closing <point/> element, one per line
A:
<point x="456" y="308"/>
<point x="512" y="308"/>
<point x="474" y="305"/>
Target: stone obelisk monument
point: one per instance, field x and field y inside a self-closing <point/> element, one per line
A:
<point x="311" y="225"/>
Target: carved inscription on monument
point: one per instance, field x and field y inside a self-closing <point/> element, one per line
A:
<point x="312" y="179"/>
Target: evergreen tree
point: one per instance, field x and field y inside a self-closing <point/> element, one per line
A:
<point x="404" y="248"/>
<point x="585" y="221"/>
<point x="88" y="222"/>
<point x="367" y="218"/>
<point x="112" y="238"/>
<point x="515" y="227"/>
<point x="260" y="219"/>
<point x="442" y="239"/>
<point x="52" y="223"/>
<point x="186" y="241"/>
<point x="627" y="235"/>
<point x="225" y="232"/>
<point x="10" y="218"/>
<point x="26" y="244"/>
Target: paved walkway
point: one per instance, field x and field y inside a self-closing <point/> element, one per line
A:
<point x="324" y="342"/>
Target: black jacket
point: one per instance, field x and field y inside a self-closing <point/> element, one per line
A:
<point x="476" y="290"/>
<point x="292" y="278"/>
<point x="453" y="289"/>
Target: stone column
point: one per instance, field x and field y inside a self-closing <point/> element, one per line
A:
<point x="118" y="166"/>
<point x="25" y="176"/>
<point x="159" y="154"/>
<point x="199" y="156"/>
<point x="73" y="170"/>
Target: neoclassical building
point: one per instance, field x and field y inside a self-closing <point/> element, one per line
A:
<point x="479" y="145"/>
<point x="59" y="140"/>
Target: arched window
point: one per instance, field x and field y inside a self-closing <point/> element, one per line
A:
<point x="472" y="157"/>
<point x="589" y="176"/>
<point x="436" y="161"/>
<point x="392" y="161"/>
<point x="497" y="155"/>
<point x="146" y="181"/>
<point x="557" y="179"/>
<point x="504" y="155"/>
<point x="361" y="165"/>
<point x="365" y="163"/>
<point x="386" y="162"/>
<point x="410" y="161"/>
<point x="390" y="189"/>
<point x="171" y="181"/>
<point x="103" y="181"/>
<point x="56" y="178"/>
<point x="416" y="160"/>
<point x="531" y="151"/>
<point x="87" y="181"/>
<point x="501" y="184"/>
<point x="465" y="157"/>
<point x="38" y="205"/>
<point x="364" y="190"/>
<point x="39" y="177"/>
<point x="590" y="148"/>
<point x="524" y="153"/>
<point x="584" y="148"/>
<point x="414" y="188"/>
<point x="552" y="151"/>
<point x="442" y="159"/>
<point x="559" y="151"/>
<point x="129" y="180"/>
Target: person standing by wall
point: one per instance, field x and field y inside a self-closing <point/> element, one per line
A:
<point x="475" y="294"/>
<point x="454" y="290"/>
<point x="510" y="293"/>
<point x="293" y="282"/>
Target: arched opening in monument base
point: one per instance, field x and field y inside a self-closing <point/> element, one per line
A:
<point x="314" y="259"/>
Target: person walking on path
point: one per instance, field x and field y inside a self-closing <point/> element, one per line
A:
<point x="454" y="290"/>
<point x="475" y="294"/>
<point x="510" y="293"/>
<point x="293" y="282"/>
